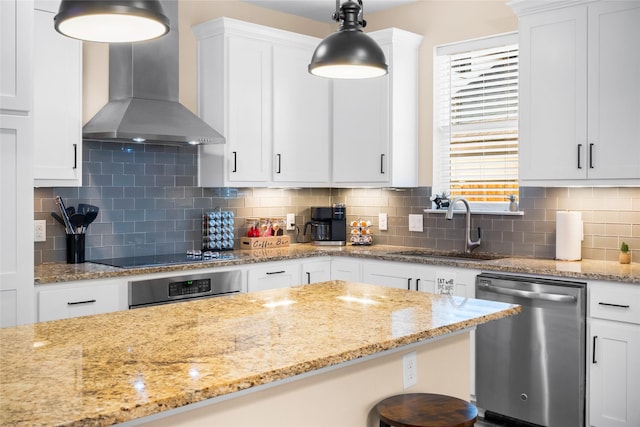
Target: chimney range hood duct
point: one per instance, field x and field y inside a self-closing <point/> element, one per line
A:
<point x="144" y="95"/>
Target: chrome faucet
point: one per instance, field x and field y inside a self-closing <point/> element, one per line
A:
<point x="470" y="244"/>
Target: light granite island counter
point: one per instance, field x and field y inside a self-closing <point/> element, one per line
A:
<point x="312" y="355"/>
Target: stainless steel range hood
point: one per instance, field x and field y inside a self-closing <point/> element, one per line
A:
<point x="144" y="95"/>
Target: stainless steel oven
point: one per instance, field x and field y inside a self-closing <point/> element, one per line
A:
<point x="143" y="293"/>
<point x="531" y="367"/>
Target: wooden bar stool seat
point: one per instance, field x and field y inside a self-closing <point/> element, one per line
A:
<point x="425" y="410"/>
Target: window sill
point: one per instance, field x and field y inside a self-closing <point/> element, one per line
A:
<point x="459" y="211"/>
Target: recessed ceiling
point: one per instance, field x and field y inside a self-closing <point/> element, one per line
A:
<point x="322" y="10"/>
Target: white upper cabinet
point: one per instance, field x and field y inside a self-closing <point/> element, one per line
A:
<point x="579" y="93"/>
<point x="375" y="121"/>
<point x="16" y="35"/>
<point x="287" y="128"/>
<point x="301" y="126"/>
<point x="57" y="102"/>
<point x="253" y="87"/>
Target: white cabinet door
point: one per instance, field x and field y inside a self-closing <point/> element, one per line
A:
<point x="346" y="269"/>
<point x="390" y="274"/>
<point x="16" y="35"/>
<point x="316" y="271"/>
<point x="273" y="275"/>
<point x="614" y="90"/>
<point x="300" y="118"/>
<point x="375" y="121"/>
<point x="361" y="130"/>
<point x="614" y="391"/>
<point x="553" y="97"/>
<point x="579" y="95"/>
<point x="57" y="103"/>
<point x="234" y="84"/>
<point x="254" y="88"/>
<point x="16" y="221"/>
<point x="84" y="298"/>
<point x="447" y="280"/>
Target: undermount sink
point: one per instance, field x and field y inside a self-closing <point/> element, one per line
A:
<point x="450" y="255"/>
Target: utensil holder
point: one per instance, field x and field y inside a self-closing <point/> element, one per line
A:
<point x="75" y="248"/>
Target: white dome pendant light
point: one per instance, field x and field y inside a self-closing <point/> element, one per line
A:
<point x="111" y="21"/>
<point x="348" y="53"/>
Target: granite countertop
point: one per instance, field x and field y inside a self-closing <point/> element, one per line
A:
<point x="68" y="372"/>
<point x="585" y="269"/>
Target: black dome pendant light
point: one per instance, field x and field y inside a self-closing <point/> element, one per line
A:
<point x="111" y="21"/>
<point x="348" y="53"/>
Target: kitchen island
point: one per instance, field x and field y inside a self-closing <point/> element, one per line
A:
<point x="221" y="361"/>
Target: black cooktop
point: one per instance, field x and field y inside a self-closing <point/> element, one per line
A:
<point x="163" y="259"/>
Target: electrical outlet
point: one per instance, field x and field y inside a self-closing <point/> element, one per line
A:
<point x="291" y="221"/>
<point x="409" y="370"/>
<point x="415" y="222"/>
<point x="382" y="221"/>
<point x="39" y="230"/>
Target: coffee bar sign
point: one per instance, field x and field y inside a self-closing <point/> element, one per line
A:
<point x="445" y="282"/>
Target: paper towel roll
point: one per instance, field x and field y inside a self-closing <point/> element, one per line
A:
<point x="569" y="235"/>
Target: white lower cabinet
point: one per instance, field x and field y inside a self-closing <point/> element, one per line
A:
<point x="273" y="275"/>
<point x="316" y="271"/>
<point x="614" y="355"/>
<point x="427" y="278"/>
<point x="390" y="274"/>
<point x="16" y="221"/>
<point x="64" y="300"/>
<point x="348" y="269"/>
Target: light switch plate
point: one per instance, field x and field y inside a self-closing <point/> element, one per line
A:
<point x="291" y="221"/>
<point x="382" y="221"/>
<point x="415" y="222"/>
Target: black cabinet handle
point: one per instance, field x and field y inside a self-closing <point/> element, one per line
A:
<point x="382" y="163"/>
<point x="608" y="304"/>
<point x="90" y="301"/>
<point x="235" y="161"/>
<point x="590" y="156"/>
<point x="279" y="162"/>
<point x="579" y="151"/>
<point x="409" y="284"/>
<point x="593" y="357"/>
<point x="275" y="272"/>
<point x="75" y="156"/>
<point x="417" y="284"/>
<point x="308" y="278"/>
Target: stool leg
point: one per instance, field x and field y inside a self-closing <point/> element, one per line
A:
<point x="383" y="424"/>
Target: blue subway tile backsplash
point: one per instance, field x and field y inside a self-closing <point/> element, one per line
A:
<point x="150" y="204"/>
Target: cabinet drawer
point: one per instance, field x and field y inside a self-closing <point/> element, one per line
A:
<point x="54" y="304"/>
<point x="615" y="302"/>
<point x="273" y="275"/>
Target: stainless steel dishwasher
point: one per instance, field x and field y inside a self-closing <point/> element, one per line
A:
<point x="531" y="367"/>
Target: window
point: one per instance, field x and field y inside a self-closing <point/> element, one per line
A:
<point x="476" y="121"/>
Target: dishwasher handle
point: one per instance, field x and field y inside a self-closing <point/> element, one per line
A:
<point x="527" y="294"/>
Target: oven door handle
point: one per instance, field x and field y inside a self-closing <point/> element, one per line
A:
<point x="527" y="294"/>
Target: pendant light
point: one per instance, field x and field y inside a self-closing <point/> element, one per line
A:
<point x="111" y="21"/>
<point x="348" y="53"/>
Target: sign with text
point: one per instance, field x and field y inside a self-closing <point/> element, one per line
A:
<point x="254" y="243"/>
<point x="445" y="282"/>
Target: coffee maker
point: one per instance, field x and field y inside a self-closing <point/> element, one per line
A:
<point x="328" y="225"/>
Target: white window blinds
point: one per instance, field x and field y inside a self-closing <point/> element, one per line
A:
<point x="476" y="120"/>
